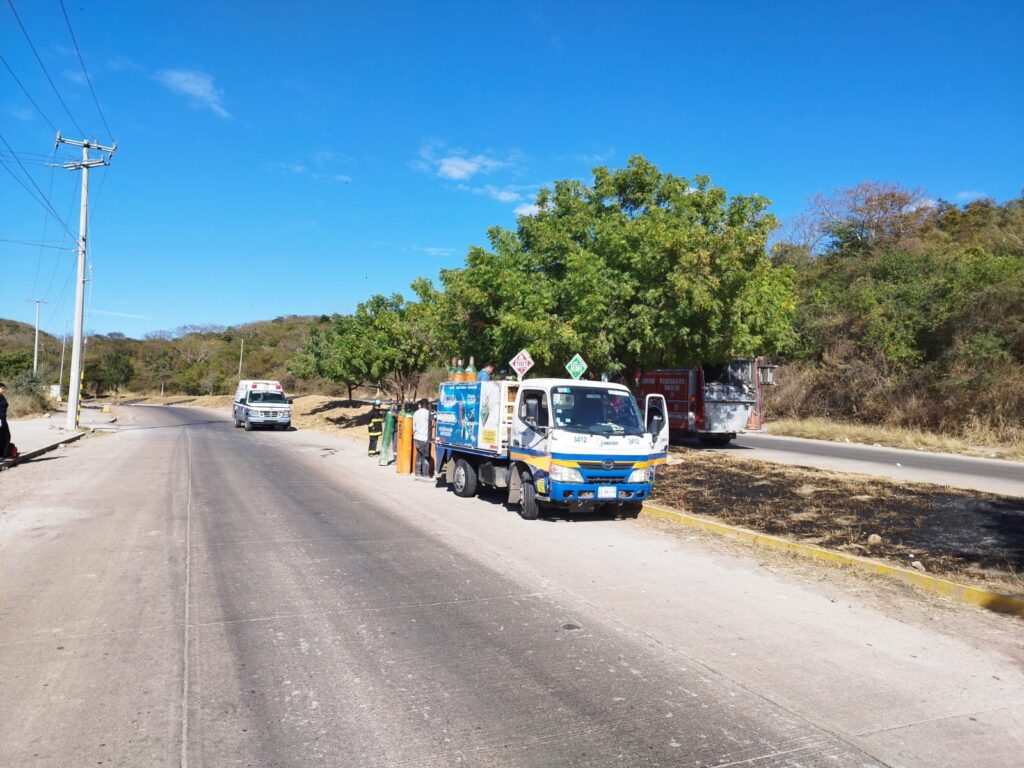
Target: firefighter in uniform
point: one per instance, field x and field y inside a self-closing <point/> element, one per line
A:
<point x="376" y="428"/>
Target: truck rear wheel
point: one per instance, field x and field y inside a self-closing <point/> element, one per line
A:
<point x="248" y="426"/>
<point x="714" y="440"/>
<point x="529" y="509"/>
<point x="464" y="481"/>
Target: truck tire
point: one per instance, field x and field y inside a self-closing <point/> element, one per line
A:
<point x="529" y="508"/>
<point x="237" y="423"/>
<point x="248" y="426"/>
<point x="464" y="481"/>
<point x="714" y="440"/>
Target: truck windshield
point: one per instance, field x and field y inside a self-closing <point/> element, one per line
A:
<point x="267" y="397"/>
<point x="595" y="411"/>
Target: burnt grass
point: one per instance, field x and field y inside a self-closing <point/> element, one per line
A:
<point x="962" y="535"/>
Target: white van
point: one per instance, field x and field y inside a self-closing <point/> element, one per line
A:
<point x="261" y="404"/>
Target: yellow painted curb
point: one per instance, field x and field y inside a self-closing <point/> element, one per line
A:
<point x="994" y="601"/>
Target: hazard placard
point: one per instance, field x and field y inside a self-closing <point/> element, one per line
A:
<point x="576" y="366"/>
<point x="521" y="363"/>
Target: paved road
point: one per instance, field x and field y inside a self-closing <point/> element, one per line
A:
<point x="184" y="593"/>
<point x="992" y="475"/>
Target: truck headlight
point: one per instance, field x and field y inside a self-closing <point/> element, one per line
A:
<point x="639" y="475"/>
<point x="562" y="474"/>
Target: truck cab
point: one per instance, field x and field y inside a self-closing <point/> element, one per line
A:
<point x="556" y="443"/>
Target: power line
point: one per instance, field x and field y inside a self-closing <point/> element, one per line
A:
<point x="43" y="66"/>
<point x="63" y="240"/>
<point x="45" y="200"/>
<point x="36" y="244"/>
<point x="27" y="94"/>
<point x="87" y="78"/>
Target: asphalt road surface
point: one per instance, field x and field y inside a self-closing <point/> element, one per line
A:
<point x="991" y="475"/>
<point x="182" y="593"/>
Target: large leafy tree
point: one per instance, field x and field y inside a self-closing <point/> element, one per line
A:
<point x="639" y="269"/>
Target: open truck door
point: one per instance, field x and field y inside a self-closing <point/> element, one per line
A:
<point x="656" y="422"/>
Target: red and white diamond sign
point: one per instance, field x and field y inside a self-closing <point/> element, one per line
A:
<point x="521" y="363"/>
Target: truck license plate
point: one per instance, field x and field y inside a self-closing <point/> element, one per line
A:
<point x="607" y="492"/>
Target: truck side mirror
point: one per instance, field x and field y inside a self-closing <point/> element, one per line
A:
<point x="657" y="422"/>
<point x="532" y="411"/>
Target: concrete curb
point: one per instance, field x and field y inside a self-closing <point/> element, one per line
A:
<point x="7" y="463"/>
<point x="993" y="601"/>
<point x="87" y="430"/>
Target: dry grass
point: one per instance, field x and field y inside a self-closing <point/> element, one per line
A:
<point x="21" y="406"/>
<point x="332" y="414"/>
<point x="981" y="443"/>
<point x="973" y="537"/>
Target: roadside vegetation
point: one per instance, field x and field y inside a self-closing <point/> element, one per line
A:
<point x="886" y="310"/>
<point x="967" y="536"/>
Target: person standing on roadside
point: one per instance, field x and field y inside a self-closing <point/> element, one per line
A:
<point x="376" y="428"/>
<point x="5" y="429"/>
<point x="421" y="437"/>
<point x="486" y="372"/>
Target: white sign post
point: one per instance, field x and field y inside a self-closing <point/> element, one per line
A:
<point x="521" y="363"/>
<point x="576" y="366"/>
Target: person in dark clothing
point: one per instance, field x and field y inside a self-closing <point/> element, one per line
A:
<point x="5" y="429"/>
<point x="376" y="427"/>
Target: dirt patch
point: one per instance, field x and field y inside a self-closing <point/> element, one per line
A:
<point x="308" y="411"/>
<point x="970" y="537"/>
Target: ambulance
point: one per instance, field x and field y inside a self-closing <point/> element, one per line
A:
<point x="260" y="403"/>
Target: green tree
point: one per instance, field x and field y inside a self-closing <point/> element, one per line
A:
<point x="641" y="269"/>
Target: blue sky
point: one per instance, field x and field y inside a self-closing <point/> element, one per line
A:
<point x="294" y="158"/>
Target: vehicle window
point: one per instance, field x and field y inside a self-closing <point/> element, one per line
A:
<point x="544" y="417"/>
<point x="596" y="411"/>
<point x="267" y="397"/>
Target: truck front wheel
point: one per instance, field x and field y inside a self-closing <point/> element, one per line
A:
<point x="529" y="509"/>
<point x="464" y="482"/>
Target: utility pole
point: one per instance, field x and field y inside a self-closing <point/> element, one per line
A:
<point x="63" y="344"/>
<point x="83" y="165"/>
<point x="241" y="351"/>
<point x="35" y="348"/>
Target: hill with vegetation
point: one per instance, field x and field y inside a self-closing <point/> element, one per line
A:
<point x="885" y="307"/>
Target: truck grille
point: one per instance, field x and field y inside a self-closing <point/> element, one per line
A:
<point x="598" y="465"/>
<point x="605" y="479"/>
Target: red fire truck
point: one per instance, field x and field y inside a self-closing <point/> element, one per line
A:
<point x="711" y="402"/>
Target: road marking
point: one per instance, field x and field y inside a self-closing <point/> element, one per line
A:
<point x="188" y="580"/>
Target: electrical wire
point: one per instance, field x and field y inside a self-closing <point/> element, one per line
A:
<point x="86" y="71"/>
<point x="46" y="220"/>
<point x="28" y="95"/>
<point x="36" y="244"/>
<point x="45" y="202"/>
<point x="43" y="66"/>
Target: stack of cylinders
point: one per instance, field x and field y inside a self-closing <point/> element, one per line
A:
<point x="403" y="461"/>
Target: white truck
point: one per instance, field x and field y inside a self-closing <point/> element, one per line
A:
<point x="261" y="403"/>
<point x="574" y="445"/>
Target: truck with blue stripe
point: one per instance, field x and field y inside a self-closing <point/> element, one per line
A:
<point x="552" y="443"/>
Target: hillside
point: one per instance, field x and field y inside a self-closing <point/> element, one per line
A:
<point x="193" y="359"/>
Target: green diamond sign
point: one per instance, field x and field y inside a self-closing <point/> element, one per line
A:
<point x="576" y="366"/>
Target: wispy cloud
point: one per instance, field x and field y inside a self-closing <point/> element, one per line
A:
<point x="527" y="209"/>
<point x="315" y="170"/>
<point x="20" y="113"/>
<point x="117" y="314"/>
<point x="432" y="250"/>
<point x="76" y="76"/>
<point x="456" y="164"/>
<point x="970" y="194"/>
<point x="595" y="158"/>
<point x="197" y="86"/>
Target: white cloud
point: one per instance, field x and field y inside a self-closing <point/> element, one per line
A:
<point x="20" y="113"/>
<point x="970" y="194"/>
<point x="197" y="86"/>
<point x="527" y="209"/>
<point x="117" y="314"/>
<point x="75" y="76"/>
<point x="457" y="164"/>
<point x="432" y="250"/>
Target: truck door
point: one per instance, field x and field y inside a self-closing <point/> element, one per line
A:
<point x="656" y="422"/>
<point x="532" y="421"/>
